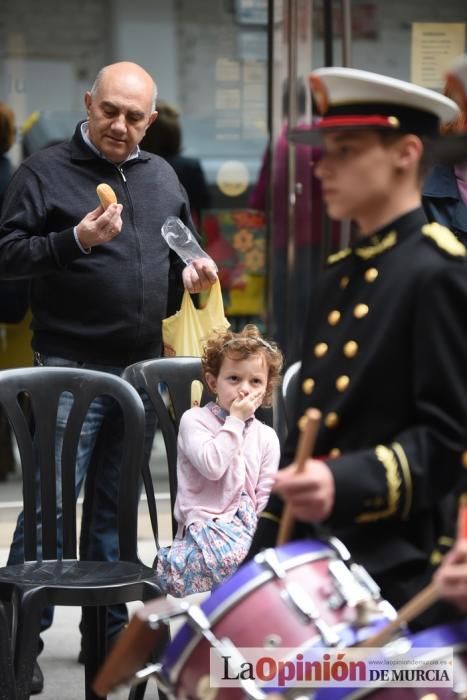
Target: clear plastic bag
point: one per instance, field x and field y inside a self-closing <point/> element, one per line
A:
<point x="181" y="240"/>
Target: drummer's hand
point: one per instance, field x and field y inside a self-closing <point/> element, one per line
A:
<point x="199" y="275"/>
<point x="309" y="494"/>
<point x="451" y="577"/>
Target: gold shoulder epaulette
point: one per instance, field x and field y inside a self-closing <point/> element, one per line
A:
<point x="445" y="239"/>
<point x="340" y="255"/>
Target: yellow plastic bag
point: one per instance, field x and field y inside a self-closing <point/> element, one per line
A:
<point x="184" y="332"/>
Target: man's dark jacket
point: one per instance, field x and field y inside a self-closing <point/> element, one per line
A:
<point x="442" y="201"/>
<point x="106" y="306"/>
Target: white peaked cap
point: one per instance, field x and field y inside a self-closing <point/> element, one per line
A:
<point x="357" y="95"/>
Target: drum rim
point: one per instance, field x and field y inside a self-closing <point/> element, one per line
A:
<point x="456" y="630"/>
<point x="214" y="609"/>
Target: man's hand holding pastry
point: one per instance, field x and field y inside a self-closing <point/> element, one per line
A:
<point x="103" y="223"/>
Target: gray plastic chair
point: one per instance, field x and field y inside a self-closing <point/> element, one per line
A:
<point x="172" y="376"/>
<point x="60" y="578"/>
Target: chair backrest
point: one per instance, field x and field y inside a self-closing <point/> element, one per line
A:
<point x="173" y="375"/>
<point x="30" y="398"/>
<point x="289" y="391"/>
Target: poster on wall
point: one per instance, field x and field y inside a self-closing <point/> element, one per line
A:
<point x="236" y="240"/>
<point x="434" y="47"/>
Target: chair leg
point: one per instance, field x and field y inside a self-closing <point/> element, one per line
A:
<point x="94" y="645"/>
<point x="138" y="691"/>
<point x="7" y="677"/>
<point x="29" y="612"/>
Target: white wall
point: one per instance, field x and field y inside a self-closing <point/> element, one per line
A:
<point x="145" y="32"/>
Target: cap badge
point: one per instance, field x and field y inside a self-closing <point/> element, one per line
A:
<point x="320" y="93"/>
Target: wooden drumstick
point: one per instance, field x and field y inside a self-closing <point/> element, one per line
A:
<point x="462" y="518"/>
<point x="425" y="598"/>
<point x="414" y="607"/>
<point x="305" y="447"/>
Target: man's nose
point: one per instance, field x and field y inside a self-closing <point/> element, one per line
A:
<point x="119" y="122"/>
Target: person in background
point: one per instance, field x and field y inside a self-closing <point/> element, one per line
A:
<point x="7" y="139"/>
<point x="164" y="137"/>
<point x="14" y="294"/>
<point x="445" y="188"/>
<point x="226" y="461"/>
<point x="99" y="279"/>
<point x="384" y="346"/>
<point x="309" y="212"/>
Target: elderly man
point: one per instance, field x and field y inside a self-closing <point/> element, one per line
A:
<point x="100" y="278"/>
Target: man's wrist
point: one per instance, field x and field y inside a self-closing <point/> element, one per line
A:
<point x="86" y="251"/>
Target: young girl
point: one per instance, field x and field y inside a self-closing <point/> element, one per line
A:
<point x="226" y="463"/>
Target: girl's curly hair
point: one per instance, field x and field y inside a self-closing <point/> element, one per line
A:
<point x="239" y="346"/>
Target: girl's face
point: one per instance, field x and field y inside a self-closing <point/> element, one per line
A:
<point x="239" y="378"/>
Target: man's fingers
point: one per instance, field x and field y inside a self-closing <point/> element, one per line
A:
<point x="202" y="274"/>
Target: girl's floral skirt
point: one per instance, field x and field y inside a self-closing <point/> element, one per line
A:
<point x="208" y="553"/>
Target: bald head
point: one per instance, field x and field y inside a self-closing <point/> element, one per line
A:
<point x="128" y="71"/>
<point x="120" y="107"/>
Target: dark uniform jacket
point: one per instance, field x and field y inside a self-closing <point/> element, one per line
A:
<point x="385" y="360"/>
<point x="106" y="306"/>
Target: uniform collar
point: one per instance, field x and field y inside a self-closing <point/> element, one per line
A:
<point x="384" y="239"/>
<point x="402" y="226"/>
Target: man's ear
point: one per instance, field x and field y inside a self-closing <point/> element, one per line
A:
<point x="152" y="119"/>
<point x="409" y="150"/>
<point x="87" y="101"/>
<point x="211" y="381"/>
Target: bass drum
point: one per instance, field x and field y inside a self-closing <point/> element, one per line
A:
<point x="302" y="594"/>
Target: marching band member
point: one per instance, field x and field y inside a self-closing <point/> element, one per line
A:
<point x="385" y="346"/>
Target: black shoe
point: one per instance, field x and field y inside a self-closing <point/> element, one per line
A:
<point x="37" y="683"/>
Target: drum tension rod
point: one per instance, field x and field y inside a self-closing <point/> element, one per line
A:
<point x="299" y="601"/>
<point x="356" y="577"/>
<point x="226" y="649"/>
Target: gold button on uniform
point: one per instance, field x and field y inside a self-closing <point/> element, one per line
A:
<point x="342" y="382"/>
<point x="360" y="310"/>
<point x="334" y="317"/>
<point x="350" y="349"/>
<point x="335" y="452"/>
<point x="320" y="349"/>
<point x="343" y="282"/>
<point x="331" y="420"/>
<point x="371" y="274"/>
<point x="308" y="385"/>
<point x="464" y="459"/>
